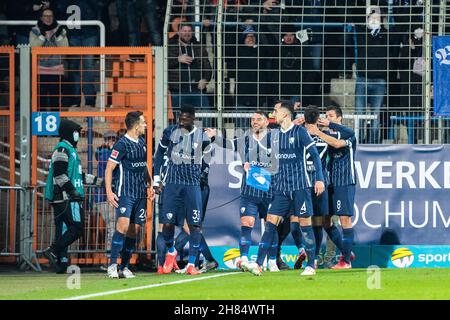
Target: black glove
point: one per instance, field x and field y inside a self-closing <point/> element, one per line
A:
<point x="74" y="196"/>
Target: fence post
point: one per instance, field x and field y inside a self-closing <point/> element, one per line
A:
<point x="26" y="228"/>
<point x="220" y="87"/>
<point x="427" y="84"/>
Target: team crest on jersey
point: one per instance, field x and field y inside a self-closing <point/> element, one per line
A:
<point x="123" y="210"/>
<point x="291" y="140"/>
<point x="114" y="154"/>
<point x="242" y="210"/>
<point x="169" y="215"/>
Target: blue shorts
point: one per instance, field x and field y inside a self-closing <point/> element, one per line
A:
<point x="133" y="209"/>
<point x="283" y="201"/>
<point x="343" y="199"/>
<point x="320" y="203"/>
<point x="252" y="206"/>
<point x="205" y="197"/>
<point x="181" y="202"/>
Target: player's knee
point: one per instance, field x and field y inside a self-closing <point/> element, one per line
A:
<point x="305" y="222"/>
<point x="273" y="219"/>
<point x="123" y="225"/>
<point x="346" y="221"/>
<point x="317" y="221"/>
<point x="247" y="222"/>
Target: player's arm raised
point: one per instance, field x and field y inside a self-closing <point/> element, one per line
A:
<point x="335" y="143"/>
<point x="345" y="132"/>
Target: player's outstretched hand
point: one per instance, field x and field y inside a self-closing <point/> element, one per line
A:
<point x="319" y="187"/>
<point x="112" y="199"/>
<point x="324" y="122"/>
<point x="210" y="132"/>
<point x="299" y="121"/>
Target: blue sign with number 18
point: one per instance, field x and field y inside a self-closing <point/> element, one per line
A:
<point x="45" y="123"/>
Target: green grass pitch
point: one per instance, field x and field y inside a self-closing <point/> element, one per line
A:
<point x="286" y="285"/>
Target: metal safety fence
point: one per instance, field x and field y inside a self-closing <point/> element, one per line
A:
<point x="77" y="94"/>
<point x="369" y="57"/>
<point x="16" y="236"/>
<point x="7" y="116"/>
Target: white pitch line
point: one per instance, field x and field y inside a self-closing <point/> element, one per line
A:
<point x="93" y="295"/>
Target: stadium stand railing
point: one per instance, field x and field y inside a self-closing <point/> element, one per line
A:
<point x="128" y="87"/>
<point x="314" y="53"/>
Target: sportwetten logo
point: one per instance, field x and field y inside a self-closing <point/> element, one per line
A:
<point x="402" y="258"/>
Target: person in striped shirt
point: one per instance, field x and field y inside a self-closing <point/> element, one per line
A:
<point x="185" y="146"/>
<point x="254" y="149"/>
<point x="291" y="184"/>
<point x="342" y="142"/>
<point x="129" y="154"/>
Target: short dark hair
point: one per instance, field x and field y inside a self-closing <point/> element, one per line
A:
<point x="262" y="112"/>
<point x="188" y="108"/>
<point x="336" y="109"/>
<point x="132" y="118"/>
<point x="311" y="114"/>
<point x="289" y="106"/>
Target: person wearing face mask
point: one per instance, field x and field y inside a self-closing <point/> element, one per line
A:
<point x="372" y="72"/>
<point x="412" y="69"/>
<point x="64" y="189"/>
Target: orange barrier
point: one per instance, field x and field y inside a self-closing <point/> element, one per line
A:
<point x="128" y="86"/>
<point x="7" y="143"/>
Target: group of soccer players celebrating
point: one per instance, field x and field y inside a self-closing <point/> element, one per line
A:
<point x="302" y="171"/>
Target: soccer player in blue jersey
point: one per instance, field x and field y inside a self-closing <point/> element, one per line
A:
<point x="291" y="185"/>
<point x="254" y="150"/>
<point x="342" y="142"/>
<point x="183" y="237"/>
<point x="185" y="146"/>
<point x="129" y="154"/>
<point x="320" y="203"/>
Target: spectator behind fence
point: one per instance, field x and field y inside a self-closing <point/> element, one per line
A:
<point x="372" y="66"/>
<point x="47" y="33"/>
<point x="248" y="70"/>
<point x="146" y="10"/>
<point x="189" y="70"/>
<point x="412" y="70"/>
<point x="82" y="75"/>
<point x="23" y="10"/>
<point x="102" y="154"/>
<point x="235" y="22"/>
<point x="290" y="65"/>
